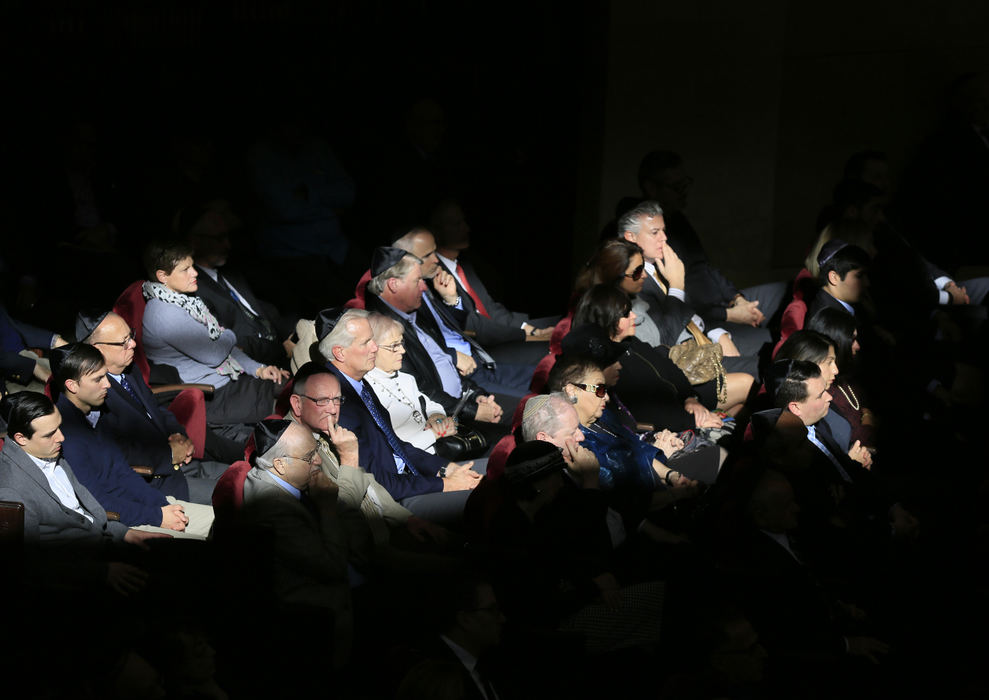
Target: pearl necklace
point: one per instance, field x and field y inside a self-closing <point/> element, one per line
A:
<point x="852" y="400"/>
<point x="416" y="414"/>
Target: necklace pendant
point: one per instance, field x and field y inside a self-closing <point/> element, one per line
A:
<point x="417" y="417"/>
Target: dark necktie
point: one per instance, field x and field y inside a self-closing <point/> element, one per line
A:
<point x="130" y="390"/>
<point x="385" y="425"/>
<point x="261" y="320"/>
<point x="470" y="292"/>
<point x="481" y="669"/>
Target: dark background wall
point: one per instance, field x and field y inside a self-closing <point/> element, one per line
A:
<point x="549" y="107"/>
<point x="766" y="100"/>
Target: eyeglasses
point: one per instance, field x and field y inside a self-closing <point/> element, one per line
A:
<point x="394" y="347"/>
<point x="325" y="400"/>
<point x="637" y="273"/>
<point x="122" y="343"/>
<point x="599" y="390"/>
<point x="310" y="459"/>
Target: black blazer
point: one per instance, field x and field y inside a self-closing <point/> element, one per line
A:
<point x="709" y="291"/>
<point x="417" y="361"/>
<point x="377" y="454"/>
<point x="256" y="335"/>
<point x="141" y="429"/>
<point x="504" y="326"/>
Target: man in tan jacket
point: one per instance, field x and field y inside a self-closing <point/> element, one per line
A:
<point x="369" y="513"/>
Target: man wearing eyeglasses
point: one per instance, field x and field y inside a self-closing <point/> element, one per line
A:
<point x="147" y="434"/>
<point x="290" y="499"/>
<point x="368" y="511"/>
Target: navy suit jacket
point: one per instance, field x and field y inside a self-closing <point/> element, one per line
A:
<point x="103" y="469"/>
<point x="18" y="336"/>
<point x="377" y="454"/>
<point x="419" y="364"/>
<point x="140" y="430"/>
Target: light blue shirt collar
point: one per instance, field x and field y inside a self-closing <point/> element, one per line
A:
<point x="285" y="485"/>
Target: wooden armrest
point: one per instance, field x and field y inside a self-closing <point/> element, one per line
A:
<point x="470" y="334"/>
<point x="113" y="515"/>
<point x="143" y="471"/>
<point x="644" y="427"/>
<point x="165" y="388"/>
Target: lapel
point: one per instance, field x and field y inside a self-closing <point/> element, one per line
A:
<point x="124" y="399"/>
<point x="20" y="460"/>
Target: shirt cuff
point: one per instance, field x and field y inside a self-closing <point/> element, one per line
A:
<point x="942" y="282"/>
<point x="715" y="333"/>
<point x="943" y="298"/>
<point x="677" y="293"/>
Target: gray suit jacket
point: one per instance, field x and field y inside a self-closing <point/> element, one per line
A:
<point x="46" y="521"/>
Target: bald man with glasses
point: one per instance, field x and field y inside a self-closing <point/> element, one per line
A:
<point x="147" y="434"/>
<point x="368" y="511"/>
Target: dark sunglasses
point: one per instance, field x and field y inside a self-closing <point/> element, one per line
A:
<point x="599" y="390"/>
<point x="637" y="273"/>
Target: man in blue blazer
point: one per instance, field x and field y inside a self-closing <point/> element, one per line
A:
<point x="428" y="485"/>
<point x="80" y="379"/>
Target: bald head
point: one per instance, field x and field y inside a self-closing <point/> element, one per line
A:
<point x="114" y="339"/>
<point x="421" y="243"/>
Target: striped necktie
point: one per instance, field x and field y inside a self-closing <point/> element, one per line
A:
<point x="385" y="425"/>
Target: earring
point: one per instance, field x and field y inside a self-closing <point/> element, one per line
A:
<point x="572" y="397"/>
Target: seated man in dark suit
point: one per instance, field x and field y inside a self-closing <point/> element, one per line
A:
<point x="491" y="321"/>
<point x="429" y="486"/>
<point x="844" y="276"/>
<point x="737" y="322"/>
<point x="287" y="496"/>
<point x="470" y="629"/>
<point x="443" y="372"/>
<point x="835" y="490"/>
<point x="147" y="434"/>
<point x="663" y="179"/>
<point x="82" y="385"/>
<point x="261" y="331"/>
<point x="793" y="613"/>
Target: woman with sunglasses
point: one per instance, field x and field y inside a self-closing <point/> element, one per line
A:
<point x="653" y="388"/>
<point x="415" y="418"/>
<point x="621" y="263"/>
<point x="626" y="461"/>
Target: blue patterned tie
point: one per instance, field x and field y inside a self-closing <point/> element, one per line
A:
<point x="130" y="390"/>
<point x="385" y="425"/>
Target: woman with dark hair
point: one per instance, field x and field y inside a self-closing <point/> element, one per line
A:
<point x="811" y="346"/>
<point x="847" y="396"/>
<point x="621" y="263"/>
<point x="180" y="331"/>
<point x="651" y="385"/>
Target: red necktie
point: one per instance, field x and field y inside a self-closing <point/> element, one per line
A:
<point x="470" y="290"/>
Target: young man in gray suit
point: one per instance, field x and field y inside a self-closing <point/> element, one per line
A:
<point x="59" y="512"/>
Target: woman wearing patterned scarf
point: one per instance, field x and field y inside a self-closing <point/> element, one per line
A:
<point x="180" y="331"/>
